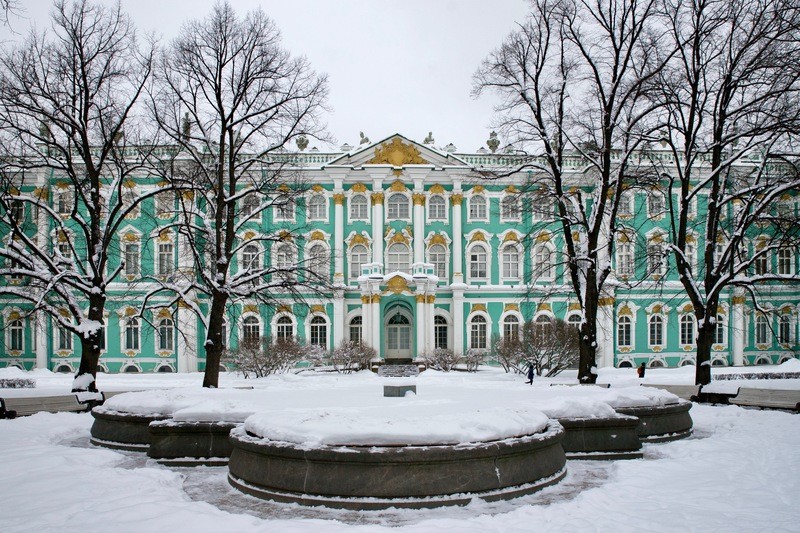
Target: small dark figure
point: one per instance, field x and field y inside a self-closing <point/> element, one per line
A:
<point x="641" y="370"/>
<point x="530" y="374"/>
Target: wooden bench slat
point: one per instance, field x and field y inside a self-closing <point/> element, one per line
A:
<point x="778" y="398"/>
<point x="687" y="392"/>
<point x="24" y="406"/>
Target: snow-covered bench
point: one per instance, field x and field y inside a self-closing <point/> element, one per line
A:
<point x="601" y="385"/>
<point x="687" y="392"/>
<point x="24" y="406"/>
<point x="774" y="398"/>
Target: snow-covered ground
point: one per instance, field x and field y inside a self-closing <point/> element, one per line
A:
<point x="738" y="472"/>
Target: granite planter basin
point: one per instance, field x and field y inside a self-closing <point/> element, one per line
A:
<point x="661" y="423"/>
<point x="122" y="431"/>
<point x="601" y="438"/>
<point x="377" y="477"/>
<point x="180" y="443"/>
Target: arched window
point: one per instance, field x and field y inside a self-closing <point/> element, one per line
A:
<point x="399" y="258"/>
<point x="440" y="332"/>
<point x="477" y="207"/>
<point x="687" y="330"/>
<point x="543" y="262"/>
<point x="15" y="335"/>
<point x="316" y="207"/>
<point x="656" y="363"/>
<point x="356" y="325"/>
<point x="477" y="338"/>
<point x="249" y="206"/>
<point x="543" y="325"/>
<point x="318" y="263"/>
<point x="251" y="331"/>
<point x="785" y="330"/>
<point x="358" y="257"/>
<point x="437" y="255"/>
<point x="284" y="259"/>
<point x="359" y="210"/>
<point x="437" y="208"/>
<point x="510" y="260"/>
<point x="284" y="328"/>
<point x="720" y="330"/>
<point x="656" y="332"/>
<point x="624" y="327"/>
<point x="166" y="335"/>
<point x="398" y="207"/>
<point x="319" y="332"/>
<point x="511" y="327"/>
<point x="131" y="369"/>
<point x="165" y="369"/>
<point x="477" y="262"/>
<point x="574" y="321"/>
<point x="251" y="257"/>
<point x="762" y="329"/>
<point x="132" y="334"/>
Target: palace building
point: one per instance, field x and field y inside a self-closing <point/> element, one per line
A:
<point x="423" y="254"/>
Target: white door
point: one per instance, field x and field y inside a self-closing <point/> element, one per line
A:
<point x="398" y="336"/>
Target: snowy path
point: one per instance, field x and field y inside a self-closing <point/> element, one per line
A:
<point x="740" y="472"/>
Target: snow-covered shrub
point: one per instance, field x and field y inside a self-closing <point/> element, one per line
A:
<point x="441" y="359"/>
<point x="352" y="357"/>
<point x="17" y="383"/>
<point x="264" y="357"/>
<point x="472" y="359"/>
<point x="550" y="349"/>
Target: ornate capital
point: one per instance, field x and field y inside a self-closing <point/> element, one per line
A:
<point x="419" y="199"/>
<point x="739" y="300"/>
<point x="365" y="299"/>
<point x="338" y="198"/>
<point x="376" y="298"/>
<point x="419" y="298"/>
<point x="377" y="198"/>
<point x="430" y="298"/>
<point x="456" y="199"/>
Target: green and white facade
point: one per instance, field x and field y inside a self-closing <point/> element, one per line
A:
<point x="423" y="255"/>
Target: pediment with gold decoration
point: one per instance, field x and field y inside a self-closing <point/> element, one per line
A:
<point x="397" y="151"/>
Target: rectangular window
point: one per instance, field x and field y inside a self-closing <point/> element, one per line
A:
<point x="132" y="259"/>
<point x="655" y="258"/>
<point x="166" y="259"/>
<point x="785" y="260"/>
<point x="64" y="339"/>
<point x="625" y="259"/>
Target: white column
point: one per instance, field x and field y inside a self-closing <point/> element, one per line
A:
<point x="419" y="227"/>
<point x="419" y="322"/>
<point x="737" y="323"/>
<point x="458" y="321"/>
<point x="430" y="298"/>
<point x="458" y="239"/>
<point x="39" y="327"/>
<point x="605" y="328"/>
<point x="338" y="237"/>
<point x="338" y="318"/>
<point x="187" y="339"/>
<point x="377" y="221"/>
<point x="375" y="306"/>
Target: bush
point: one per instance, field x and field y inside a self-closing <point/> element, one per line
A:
<point x="264" y="357"/>
<point x="17" y="383"/>
<point x="551" y="349"/>
<point x="441" y="359"/>
<point x="352" y="357"/>
<point x="472" y="359"/>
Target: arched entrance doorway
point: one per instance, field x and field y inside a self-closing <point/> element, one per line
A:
<point x="398" y="334"/>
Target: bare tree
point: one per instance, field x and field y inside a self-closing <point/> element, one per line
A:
<point x="67" y="112"/>
<point x="731" y="101"/>
<point x="232" y="99"/>
<point x="262" y="357"/>
<point x="352" y="356"/>
<point x="550" y="346"/>
<point x="572" y="80"/>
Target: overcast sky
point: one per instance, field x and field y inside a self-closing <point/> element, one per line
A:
<point x="400" y="66"/>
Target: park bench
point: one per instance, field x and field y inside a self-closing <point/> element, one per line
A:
<point x="601" y="385"/>
<point x="24" y="406"/>
<point x="772" y="398"/>
<point x="687" y="392"/>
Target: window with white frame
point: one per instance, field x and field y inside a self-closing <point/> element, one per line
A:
<point x="284" y="328"/>
<point x="574" y="320"/>
<point x="319" y="332"/>
<point x="720" y="330"/>
<point x="719" y="252"/>
<point x="251" y="257"/>
<point x="251" y="331"/>
<point x="15" y="332"/>
<point x="510" y="208"/>
<point x="441" y="333"/>
<point x="542" y="207"/>
<point x="358" y="258"/>
<point x="543" y="262"/>
<point x="785" y="329"/>
<point x="437" y="255"/>
<point x="165" y="203"/>
<point x="165" y="264"/>
<point x="625" y="257"/>
<point x="478" y="257"/>
<point x="762" y="329"/>
<point x="656" y="330"/>
<point x="687" y="330"/>
<point x="284" y="209"/>
<point x="359" y="207"/>
<point x="624" y="332"/>
<point x="399" y="258"/>
<point x="655" y="258"/>
<point x="285" y="260"/>
<point x="166" y="335"/>
<point x="132" y="259"/>
<point x="318" y="263"/>
<point x="690" y="253"/>
<point x="356" y="327"/>
<point x="510" y="260"/>
<point x="317" y="207"/>
<point x="785" y="258"/>
<point x="542" y="327"/>
<point x="17" y="211"/>
<point x="64" y="339"/>
<point x="249" y="206"/>
<point x="437" y="208"/>
<point x="511" y="327"/>
<point x="63" y="202"/>
<point x="132" y="331"/>
<point x="655" y="204"/>
<point x="477" y="207"/>
<point x="397" y="207"/>
<point x="130" y="203"/>
<point x="478" y="329"/>
<point x="64" y="248"/>
<point x="625" y="208"/>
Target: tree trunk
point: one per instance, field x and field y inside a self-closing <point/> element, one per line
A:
<point x="214" y="345"/>
<point x="90" y="357"/>
<point x="705" y="338"/>
<point x="588" y="345"/>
